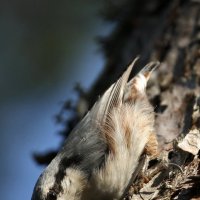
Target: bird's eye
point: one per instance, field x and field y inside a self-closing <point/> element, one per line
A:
<point x="51" y="195"/>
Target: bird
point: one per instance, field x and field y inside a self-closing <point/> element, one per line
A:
<point x="102" y="152"/>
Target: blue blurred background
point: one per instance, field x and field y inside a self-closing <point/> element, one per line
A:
<point x="45" y="48"/>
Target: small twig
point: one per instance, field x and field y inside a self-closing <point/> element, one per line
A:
<point x="140" y="196"/>
<point x="177" y="166"/>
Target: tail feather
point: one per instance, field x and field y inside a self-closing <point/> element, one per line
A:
<point x="114" y="95"/>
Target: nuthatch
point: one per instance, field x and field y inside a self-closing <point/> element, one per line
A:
<point x="101" y="153"/>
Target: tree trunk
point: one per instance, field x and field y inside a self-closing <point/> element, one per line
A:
<point x="167" y="31"/>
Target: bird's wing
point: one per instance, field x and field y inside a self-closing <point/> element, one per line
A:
<point x="86" y="147"/>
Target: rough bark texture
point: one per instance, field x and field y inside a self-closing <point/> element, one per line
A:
<point x="168" y="31"/>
